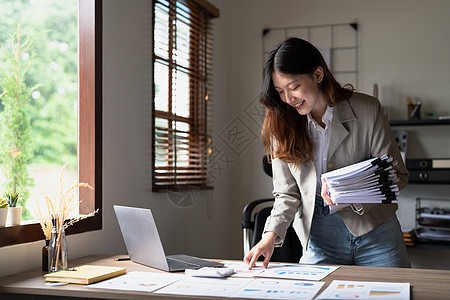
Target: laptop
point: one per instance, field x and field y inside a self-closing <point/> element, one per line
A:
<point x="144" y="245"/>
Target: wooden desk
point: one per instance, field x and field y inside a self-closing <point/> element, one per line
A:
<point x="425" y="284"/>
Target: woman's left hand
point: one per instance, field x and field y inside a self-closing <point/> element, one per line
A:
<point x="324" y="193"/>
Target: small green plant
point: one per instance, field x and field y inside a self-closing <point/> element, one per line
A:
<point x="3" y="203"/>
<point x="12" y="198"/>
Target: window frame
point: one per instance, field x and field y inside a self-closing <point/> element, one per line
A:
<point x="172" y="177"/>
<point x="89" y="132"/>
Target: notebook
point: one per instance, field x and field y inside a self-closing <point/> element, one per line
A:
<point x="144" y="245"/>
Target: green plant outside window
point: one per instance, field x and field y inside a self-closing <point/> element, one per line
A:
<point x="38" y="107"/>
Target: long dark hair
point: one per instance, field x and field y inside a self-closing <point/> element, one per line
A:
<point x="285" y="132"/>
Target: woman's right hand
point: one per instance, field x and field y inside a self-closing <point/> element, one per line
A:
<point x="264" y="247"/>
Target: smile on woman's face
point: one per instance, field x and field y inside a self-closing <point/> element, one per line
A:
<point x="301" y="91"/>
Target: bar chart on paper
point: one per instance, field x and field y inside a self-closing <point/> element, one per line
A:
<point x="339" y="289"/>
<point x="299" y="272"/>
<point x="279" y="289"/>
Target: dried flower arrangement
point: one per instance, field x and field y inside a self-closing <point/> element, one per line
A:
<point x="60" y="207"/>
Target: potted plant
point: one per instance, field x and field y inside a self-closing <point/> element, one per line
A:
<point x="3" y="211"/>
<point x="14" y="211"/>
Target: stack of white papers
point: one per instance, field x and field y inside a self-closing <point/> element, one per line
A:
<point x="370" y="181"/>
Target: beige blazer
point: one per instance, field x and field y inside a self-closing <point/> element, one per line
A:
<point x="359" y="131"/>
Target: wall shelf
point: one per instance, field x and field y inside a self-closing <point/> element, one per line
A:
<point x="418" y="122"/>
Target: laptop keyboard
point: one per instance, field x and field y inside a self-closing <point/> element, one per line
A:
<point x="175" y="264"/>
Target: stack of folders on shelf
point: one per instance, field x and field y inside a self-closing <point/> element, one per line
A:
<point x="426" y="170"/>
<point x="370" y="181"/>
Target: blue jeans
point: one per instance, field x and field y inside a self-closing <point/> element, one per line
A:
<point x="330" y="242"/>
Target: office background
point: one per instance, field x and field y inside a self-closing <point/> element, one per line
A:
<point x="402" y="47"/>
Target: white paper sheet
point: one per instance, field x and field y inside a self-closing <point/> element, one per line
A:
<point x="138" y="281"/>
<point x="201" y="286"/>
<point x="351" y="170"/>
<point x="299" y="272"/>
<point x="279" y="289"/>
<point x="340" y="289"/>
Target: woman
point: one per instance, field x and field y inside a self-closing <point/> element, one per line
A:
<point x="312" y="126"/>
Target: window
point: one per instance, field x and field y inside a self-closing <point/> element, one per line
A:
<point x="89" y="129"/>
<point x="181" y="78"/>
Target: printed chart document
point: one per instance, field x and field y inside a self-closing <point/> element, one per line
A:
<point x="138" y="281"/>
<point x="279" y="289"/>
<point x="244" y="288"/>
<point x="339" y="289"/>
<point x="299" y="272"/>
<point x="202" y="286"/>
<point x="370" y="181"/>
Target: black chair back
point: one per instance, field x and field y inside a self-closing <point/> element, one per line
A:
<point x="254" y="218"/>
<point x="253" y="221"/>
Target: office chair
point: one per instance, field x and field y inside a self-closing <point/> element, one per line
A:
<point x="254" y="217"/>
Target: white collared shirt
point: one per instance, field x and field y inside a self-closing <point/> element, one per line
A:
<point x="321" y="138"/>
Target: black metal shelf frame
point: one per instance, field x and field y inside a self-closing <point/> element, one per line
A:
<point x="419" y="122"/>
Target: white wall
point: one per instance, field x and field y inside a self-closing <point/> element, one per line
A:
<point x="403" y="46"/>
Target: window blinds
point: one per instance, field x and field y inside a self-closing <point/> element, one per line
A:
<point x="182" y="70"/>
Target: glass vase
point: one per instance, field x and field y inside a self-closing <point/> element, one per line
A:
<point x="57" y="250"/>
